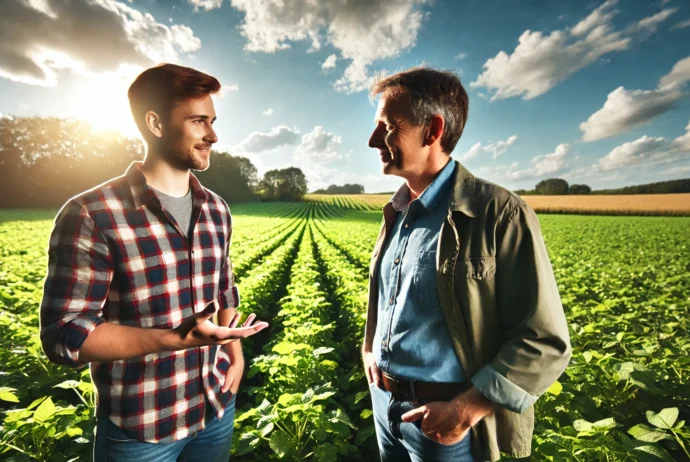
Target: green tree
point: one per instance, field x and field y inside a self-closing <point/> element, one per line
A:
<point x="288" y="184"/>
<point x="580" y="189"/>
<point x="552" y="187"/>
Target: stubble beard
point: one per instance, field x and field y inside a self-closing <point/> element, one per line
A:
<point x="182" y="157"/>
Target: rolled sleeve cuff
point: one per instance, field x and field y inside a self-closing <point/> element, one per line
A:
<point x="496" y="388"/>
<point x="72" y="338"/>
<point x="230" y="299"/>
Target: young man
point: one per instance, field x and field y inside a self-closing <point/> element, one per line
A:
<point x="136" y="268"/>
<point x="465" y="328"/>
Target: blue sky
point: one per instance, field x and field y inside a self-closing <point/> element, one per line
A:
<point x="593" y="92"/>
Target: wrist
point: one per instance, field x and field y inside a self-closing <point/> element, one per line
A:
<point x="167" y="340"/>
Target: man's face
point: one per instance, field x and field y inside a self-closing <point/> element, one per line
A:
<point x="188" y="134"/>
<point x="400" y="144"/>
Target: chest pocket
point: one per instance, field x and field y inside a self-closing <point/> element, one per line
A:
<point x="423" y="288"/>
<point x="476" y="268"/>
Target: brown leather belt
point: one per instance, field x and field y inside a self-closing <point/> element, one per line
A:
<point x="421" y="392"/>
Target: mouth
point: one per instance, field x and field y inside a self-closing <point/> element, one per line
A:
<point x="386" y="156"/>
<point x="203" y="148"/>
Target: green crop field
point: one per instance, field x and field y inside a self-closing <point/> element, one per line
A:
<point x="624" y="282"/>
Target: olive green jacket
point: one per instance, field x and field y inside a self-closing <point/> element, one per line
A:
<point x="500" y="300"/>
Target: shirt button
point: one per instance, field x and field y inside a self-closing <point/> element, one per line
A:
<point x="397" y="260"/>
<point x="407" y="225"/>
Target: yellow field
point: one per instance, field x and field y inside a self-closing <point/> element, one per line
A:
<point x="631" y="204"/>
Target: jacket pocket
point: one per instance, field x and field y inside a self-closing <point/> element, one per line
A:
<point x="476" y="268"/>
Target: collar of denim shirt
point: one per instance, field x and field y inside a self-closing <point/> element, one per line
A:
<point x="433" y="193"/>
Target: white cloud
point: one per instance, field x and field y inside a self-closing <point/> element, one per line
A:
<point x="541" y="61"/>
<point x="676" y="171"/>
<point x="496" y="149"/>
<point x="681" y="25"/>
<point x="206" y="4"/>
<point x="319" y="146"/>
<point x="542" y="165"/>
<point x="460" y="56"/>
<point x="268" y="112"/>
<point x="225" y="89"/>
<point x="329" y="63"/>
<point x="682" y="143"/>
<point x="679" y="75"/>
<point x="39" y="39"/>
<point x="261" y="142"/>
<point x="362" y="32"/>
<point x="632" y="153"/>
<point x="626" y="109"/>
<point x="647" y="152"/>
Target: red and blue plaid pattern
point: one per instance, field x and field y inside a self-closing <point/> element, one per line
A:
<point x="115" y="255"/>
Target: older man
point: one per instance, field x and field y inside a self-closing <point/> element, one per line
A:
<point x="465" y="328"/>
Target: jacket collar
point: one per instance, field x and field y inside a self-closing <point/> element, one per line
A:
<point x="464" y="194"/>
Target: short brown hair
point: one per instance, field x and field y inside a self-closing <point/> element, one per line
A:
<point x="431" y="92"/>
<point x="162" y="87"/>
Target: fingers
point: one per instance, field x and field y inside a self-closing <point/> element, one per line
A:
<point x="376" y="375"/>
<point x="235" y="320"/>
<point x="227" y="333"/>
<point x="250" y="319"/>
<point x="229" y="380"/>
<point x="414" y="414"/>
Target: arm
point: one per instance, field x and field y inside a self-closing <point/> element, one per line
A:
<point x="536" y="347"/>
<point x="73" y="331"/>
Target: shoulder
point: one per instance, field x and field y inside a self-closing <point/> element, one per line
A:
<point x="100" y="199"/>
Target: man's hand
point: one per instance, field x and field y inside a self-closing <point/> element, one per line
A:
<point x="371" y="369"/>
<point x="449" y="422"/>
<point x="197" y="330"/>
<point x="233" y="377"/>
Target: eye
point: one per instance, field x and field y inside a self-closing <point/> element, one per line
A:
<point x="199" y="121"/>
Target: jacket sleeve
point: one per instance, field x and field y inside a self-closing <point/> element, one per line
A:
<point x="76" y="287"/>
<point x="536" y="343"/>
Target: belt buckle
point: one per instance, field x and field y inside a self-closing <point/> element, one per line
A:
<point x="404" y="392"/>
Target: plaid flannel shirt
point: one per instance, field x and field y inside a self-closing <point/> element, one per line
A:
<point x="115" y="255"/>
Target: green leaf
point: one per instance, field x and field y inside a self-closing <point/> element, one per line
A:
<point x="365" y="414"/>
<point x="67" y="384"/>
<point x="45" y="410"/>
<point x="7" y="395"/>
<point x="280" y="443"/>
<point x="267" y="429"/>
<point x="648" y="434"/>
<point x="664" y="419"/>
<point x="657" y="451"/>
<point x="555" y="388"/>
<point x="582" y="425"/>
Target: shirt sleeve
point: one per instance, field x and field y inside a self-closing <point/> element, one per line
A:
<point x="536" y="343"/>
<point x="76" y="287"/>
<point x="229" y="296"/>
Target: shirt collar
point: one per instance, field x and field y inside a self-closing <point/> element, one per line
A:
<point x="431" y="195"/>
<point x="142" y="193"/>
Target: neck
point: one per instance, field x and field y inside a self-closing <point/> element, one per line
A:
<point x="418" y="183"/>
<point x="162" y="176"/>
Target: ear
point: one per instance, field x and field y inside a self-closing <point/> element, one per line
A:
<point x="434" y="130"/>
<point x="154" y="124"/>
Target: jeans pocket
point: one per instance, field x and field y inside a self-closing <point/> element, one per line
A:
<point x="115" y="434"/>
<point x="418" y="424"/>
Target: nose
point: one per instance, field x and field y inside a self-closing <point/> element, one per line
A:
<point x="376" y="140"/>
<point x="211" y="136"/>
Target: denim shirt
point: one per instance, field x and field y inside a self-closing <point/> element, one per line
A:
<point x="412" y="340"/>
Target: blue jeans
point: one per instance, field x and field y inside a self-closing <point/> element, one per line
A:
<point x="212" y="444"/>
<point x="404" y="441"/>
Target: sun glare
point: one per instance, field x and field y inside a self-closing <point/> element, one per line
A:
<point x="103" y="102"/>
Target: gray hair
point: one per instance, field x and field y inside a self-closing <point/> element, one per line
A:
<point x="431" y="92"/>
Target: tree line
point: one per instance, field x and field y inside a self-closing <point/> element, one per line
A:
<point x="344" y="189"/>
<point x="44" y="161"/>
<point x="560" y="187"/>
